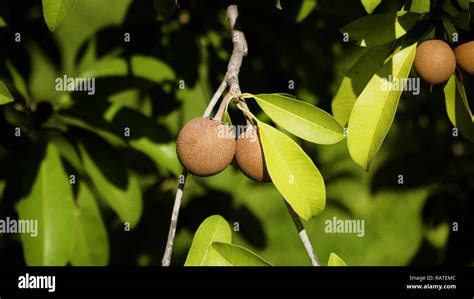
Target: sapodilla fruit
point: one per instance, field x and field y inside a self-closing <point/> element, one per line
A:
<point x="435" y="61"/>
<point x="465" y="57"/>
<point x="205" y="147"/>
<point x="249" y="156"/>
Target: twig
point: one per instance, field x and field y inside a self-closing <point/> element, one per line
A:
<point x="304" y="236"/>
<point x="231" y="80"/>
<point x="166" y="261"/>
<point x="215" y="98"/>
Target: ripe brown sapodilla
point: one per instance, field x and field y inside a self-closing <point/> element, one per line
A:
<point x="205" y="147"/>
<point x="434" y="61"/>
<point x="249" y="156"/>
<point x="465" y="57"/>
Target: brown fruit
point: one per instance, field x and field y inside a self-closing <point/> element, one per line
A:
<point x="465" y="57"/>
<point x="435" y="61"/>
<point x="249" y="156"/>
<point x="205" y="147"/>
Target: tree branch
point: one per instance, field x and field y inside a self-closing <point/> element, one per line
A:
<point x="303" y="235"/>
<point x="166" y="261"/>
<point x="231" y="80"/>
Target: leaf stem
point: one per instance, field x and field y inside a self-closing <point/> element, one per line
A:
<point x="304" y="236"/>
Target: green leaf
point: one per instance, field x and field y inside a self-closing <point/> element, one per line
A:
<point x="379" y="29"/>
<point x="145" y="67"/>
<point x="165" y="8"/>
<point x="451" y="30"/>
<point x="112" y="180"/>
<point x="235" y="255"/>
<point x="374" y="110"/>
<point x="293" y="173"/>
<point x="355" y="80"/>
<point x="146" y="136"/>
<point x="226" y="118"/>
<point x="307" y="6"/>
<point x="463" y="20"/>
<point x="458" y="109"/>
<point x="370" y="5"/>
<point x="334" y="260"/>
<point x="420" y="6"/>
<point x="164" y="155"/>
<point x="278" y="4"/>
<point x="91" y="244"/>
<point x="214" y="229"/>
<point x="5" y="95"/>
<point x="18" y="80"/>
<point x="464" y="3"/>
<point x="301" y="119"/>
<point x="449" y="8"/>
<point x="151" y="69"/>
<point x="47" y="197"/>
<point x="2" y="22"/>
<point x="55" y="12"/>
<point x="450" y="94"/>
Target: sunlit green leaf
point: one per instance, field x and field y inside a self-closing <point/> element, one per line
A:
<point x="335" y="260"/>
<point x="307" y="6"/>
<point x="370" y="5"/>
<point x="55" y="12"/>
<point x="278" y="4"/>
<point x="420" y="6"/>
<point x="450" y="93"/>
<point x="18" y="81"/>
<point x="2" y="22"/>
<point x="438" y="236"/>
<point x="141" y="66"/>
<point x="151" y="68"/>
<point x="214" y="229"/>
<point x="379" y="29"/>
<point x="293" y="173"/>
<point x="355" y="80"/>
<point x="5" y="95"/>
<point x="226" y="118"/>
<point x="301" y="119"/>
<point x="112" y="180"/>
<point x="146" y="136"/>
<point x="457" y="108"/>
<point x="464" y="3"/>
<point x="48" y="199"/>
<point x="91" y="244"/>
<point x="375" y="108"/>
<point x="236" y="255"/>
<point x="164" y="155"/>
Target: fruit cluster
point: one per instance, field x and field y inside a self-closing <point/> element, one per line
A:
<point x="435" y="61"/>
<point x="206" y="147"/>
